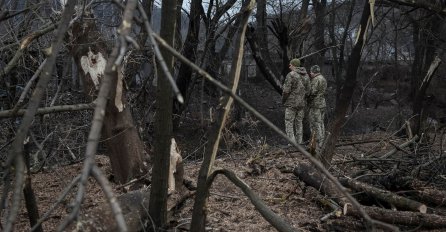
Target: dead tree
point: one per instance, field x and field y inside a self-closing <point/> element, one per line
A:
<point x="310" y="176"/>
<point x="90" y="52"/>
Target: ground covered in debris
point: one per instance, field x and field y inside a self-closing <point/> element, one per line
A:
<point x="257" y="155"/>
<point x="268" y="171"/>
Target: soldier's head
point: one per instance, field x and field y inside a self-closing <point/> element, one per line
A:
<point x="315" y="69"/>
<point x="294" y="63"/>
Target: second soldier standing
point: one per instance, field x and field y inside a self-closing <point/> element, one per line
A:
<point x="316" y="104"/>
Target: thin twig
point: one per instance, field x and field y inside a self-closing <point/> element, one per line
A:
<point x="108" y="191"/>
<point x="28" y="87"/>
<point x="16" y="152"/>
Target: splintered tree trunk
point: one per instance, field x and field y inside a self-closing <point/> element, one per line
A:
<point x="126" y="149"/>
<point x="421" y="93"/>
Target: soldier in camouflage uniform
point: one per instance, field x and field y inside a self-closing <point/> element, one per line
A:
<point x="293" y="97"/>
<point x="316" y="104"/>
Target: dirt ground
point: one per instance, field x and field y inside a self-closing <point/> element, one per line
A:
<point x="228" y="208"/>
<point x="258" y="157"/>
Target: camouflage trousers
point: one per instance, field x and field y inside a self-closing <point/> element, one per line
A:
<point x="316" y="118"/>
<point x="293" y="123"/>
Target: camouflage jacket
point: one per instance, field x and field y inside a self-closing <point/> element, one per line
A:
<point x="316" y="97"/>
<point x="306" y="79"/>
<point x="294" y="92"/>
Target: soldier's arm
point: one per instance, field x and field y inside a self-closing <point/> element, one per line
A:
<point x="286" y="88"/>
<point x="320" y="89"/>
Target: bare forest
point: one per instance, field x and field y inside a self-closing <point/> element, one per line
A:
<point x="166" y="115"/>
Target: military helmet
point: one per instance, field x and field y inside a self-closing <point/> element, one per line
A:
<point x="295" y="62"/>
<point x="315" y="69"/>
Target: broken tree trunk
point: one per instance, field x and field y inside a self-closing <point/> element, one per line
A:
<point x="431" y="221"/>
<point x="312" y="177"/>
<point x="384" y="195"/>
<point x="126" y="150"/>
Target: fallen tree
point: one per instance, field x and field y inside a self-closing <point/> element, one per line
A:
<point x="312" y="177"/>
<point x="384" y="195"/>
<point x="425" y="220"/>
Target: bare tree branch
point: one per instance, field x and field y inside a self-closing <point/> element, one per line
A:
<point x="110" y="77"/>
<point x="16" y="152"/>
<point x="276" y="221"/>
<point x="262" y="118"/>
<point x="48" y="110"/>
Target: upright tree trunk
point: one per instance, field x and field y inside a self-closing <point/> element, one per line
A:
<point x="163" y="130"/>
<point x="319" y="9"/>
<point x="261" y="35"/>
<point x="199" y="211"/>
<point x="338" y="61"/>
<point x="126" y="150"/>
<point x="190" y="51"/>
<point x="424" y="54"/>
<point x="346" y="93"/>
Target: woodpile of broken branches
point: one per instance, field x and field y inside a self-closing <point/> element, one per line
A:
<point x="397" y="181"/>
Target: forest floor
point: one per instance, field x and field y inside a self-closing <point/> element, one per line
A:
<point x="229" y="209"/>
<point x="258" y="156"/>
<point x="261" y="167"/>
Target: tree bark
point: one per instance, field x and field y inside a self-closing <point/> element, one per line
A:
<point x="347" y="90"/>
<point x="384" y="195"/>
<point x="163" y="130"/>
<point x="431" y="196"/>
<point x="261" y="37"/>
<point x="199" y="211"/>
<point x="430" y="221"/>
<point x="338" y="61"/>
<point x="312" y="177"/>
<point x="190" y="51"/>
<point x="126" y="150"/>
<point x="270" y="74"/>
<point x="30" y="198"/>
<point x="418" y="104"/>
<point x="319" y="9"/>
